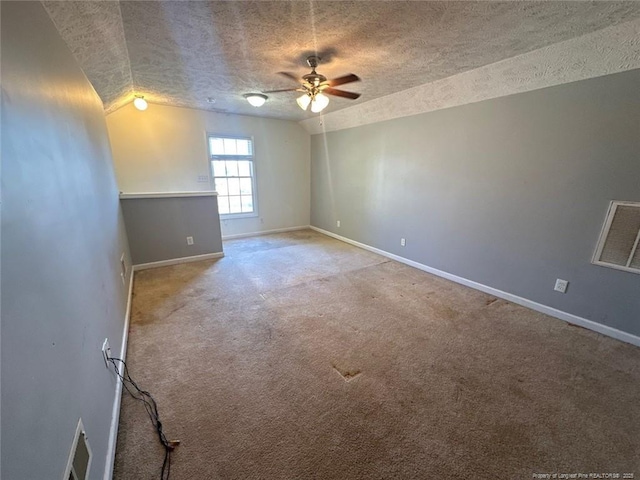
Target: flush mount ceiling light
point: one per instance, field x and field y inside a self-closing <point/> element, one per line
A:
<point x="140" y="103"/>
<point x="255" y="99"/>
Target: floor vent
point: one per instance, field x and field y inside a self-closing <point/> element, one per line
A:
<point x="618" y="246"/>
<point x="80" y="457"/>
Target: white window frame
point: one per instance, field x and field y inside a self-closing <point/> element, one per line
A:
<point x="613" y="206"/>
<point x="251" y="158"/>
<point x="80" y="435"/>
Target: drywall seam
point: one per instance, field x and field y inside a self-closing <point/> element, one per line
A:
<point x="559" y="314"/>
<point x="610" y="50"/>
<point x="115" y="415"/>
<point x="265" y="232"/>
<point x="176" y="261"/>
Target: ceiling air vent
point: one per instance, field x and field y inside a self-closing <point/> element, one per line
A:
<point x="618" y="246"/>
<point x="80" y="457"/>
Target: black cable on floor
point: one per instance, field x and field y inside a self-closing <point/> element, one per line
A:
<point x="151" y="407"/>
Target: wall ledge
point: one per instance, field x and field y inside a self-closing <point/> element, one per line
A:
<point x="126" y="196"/>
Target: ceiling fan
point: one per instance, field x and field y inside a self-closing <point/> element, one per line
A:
<point x="316" y="87"/>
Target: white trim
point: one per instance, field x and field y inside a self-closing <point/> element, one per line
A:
<point x="616" y="267"/>
<point x="176" y="261"/>
<point x="115" y="413"/>
<point x="208" y="193"/>
<point x="567" y="317"/>
<point x="633" y="251"/>
<point x="265" y="232"/>
<point x="604" y="233"/>
<point x="79" y="429"/>
<point x="254" y="182"/>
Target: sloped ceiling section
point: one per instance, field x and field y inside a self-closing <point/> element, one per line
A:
<point x="604" y="52"/>
<point x="183" y="52"/>
<point x="95" y="34"/>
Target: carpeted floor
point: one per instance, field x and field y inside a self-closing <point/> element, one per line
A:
<point x="297" y="356"/>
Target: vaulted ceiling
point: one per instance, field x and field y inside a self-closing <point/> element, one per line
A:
<point x="183" y="53"/>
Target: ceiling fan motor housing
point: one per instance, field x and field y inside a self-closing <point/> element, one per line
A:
<point x="313" y="78"/>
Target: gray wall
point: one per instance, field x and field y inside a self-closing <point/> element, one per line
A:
<point x="62" y="237"/>
<point x="164" y="149"/>
<point x="510" y="193"/>
<point x="158" y="227"/>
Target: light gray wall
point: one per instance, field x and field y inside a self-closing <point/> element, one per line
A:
<point x="158" y="227"/>
<point x="62" y="237"/>
<point x="164" y="149"/>
<point x="510" y="193"/>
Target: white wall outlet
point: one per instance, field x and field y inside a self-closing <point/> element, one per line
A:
<point x="106" y="352"/>
<point x="203" y="178"/>
<point x="189" y="240"/>
<point x="338" y="224"/>
<point x="561" y="286"/>
<point x="403" y="242"/>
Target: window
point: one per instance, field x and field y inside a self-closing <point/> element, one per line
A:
<point x="619" y="243"/>
<point x="233" y="174"/>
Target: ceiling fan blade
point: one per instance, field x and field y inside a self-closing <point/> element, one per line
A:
<point x="290" y="76"/>
<point x="341" y="93"/>
<point x="281" y="90"/>
<point x="342" y="80"/>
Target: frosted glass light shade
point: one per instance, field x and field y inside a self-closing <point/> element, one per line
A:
<point x="304" y="101"/>
<point x="256" y="99"/>
<point x="140" y="103"/>
<point x="319" y="103"/>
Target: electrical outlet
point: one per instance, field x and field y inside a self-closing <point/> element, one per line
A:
<point x="338" y="224"/>
<point x="106" y="352"/>
<point x="561" y="286"/>
<point x="403" y="242"/>
<point x="189" y="240"/>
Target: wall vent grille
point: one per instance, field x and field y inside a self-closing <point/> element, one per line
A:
<point x="619" y="243"/>
<point x="80" y="457"/>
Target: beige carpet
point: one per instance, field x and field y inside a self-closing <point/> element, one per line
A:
<point x="300" y="357"/>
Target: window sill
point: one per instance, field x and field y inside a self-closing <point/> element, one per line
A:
<point x="236" y="216"/>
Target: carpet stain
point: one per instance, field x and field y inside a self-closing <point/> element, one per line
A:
<point x="347" y="374"/>
<point x="481" y="390"/>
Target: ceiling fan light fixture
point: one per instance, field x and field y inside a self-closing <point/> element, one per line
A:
<point x="256" y="99"/>
<point x="140" y="103"/>
<point x="319" y="103"/>
<point x="304" y="101"/>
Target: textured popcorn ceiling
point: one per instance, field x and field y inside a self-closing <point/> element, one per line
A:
<point x="603" y="52"/>
<point x="181" y="52"/>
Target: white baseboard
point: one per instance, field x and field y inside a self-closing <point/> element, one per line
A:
<point x="265" y="232"/>
<point x="552" y="312"/>
<point x="115" y="413"/>
<point x="176" y="261"/>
